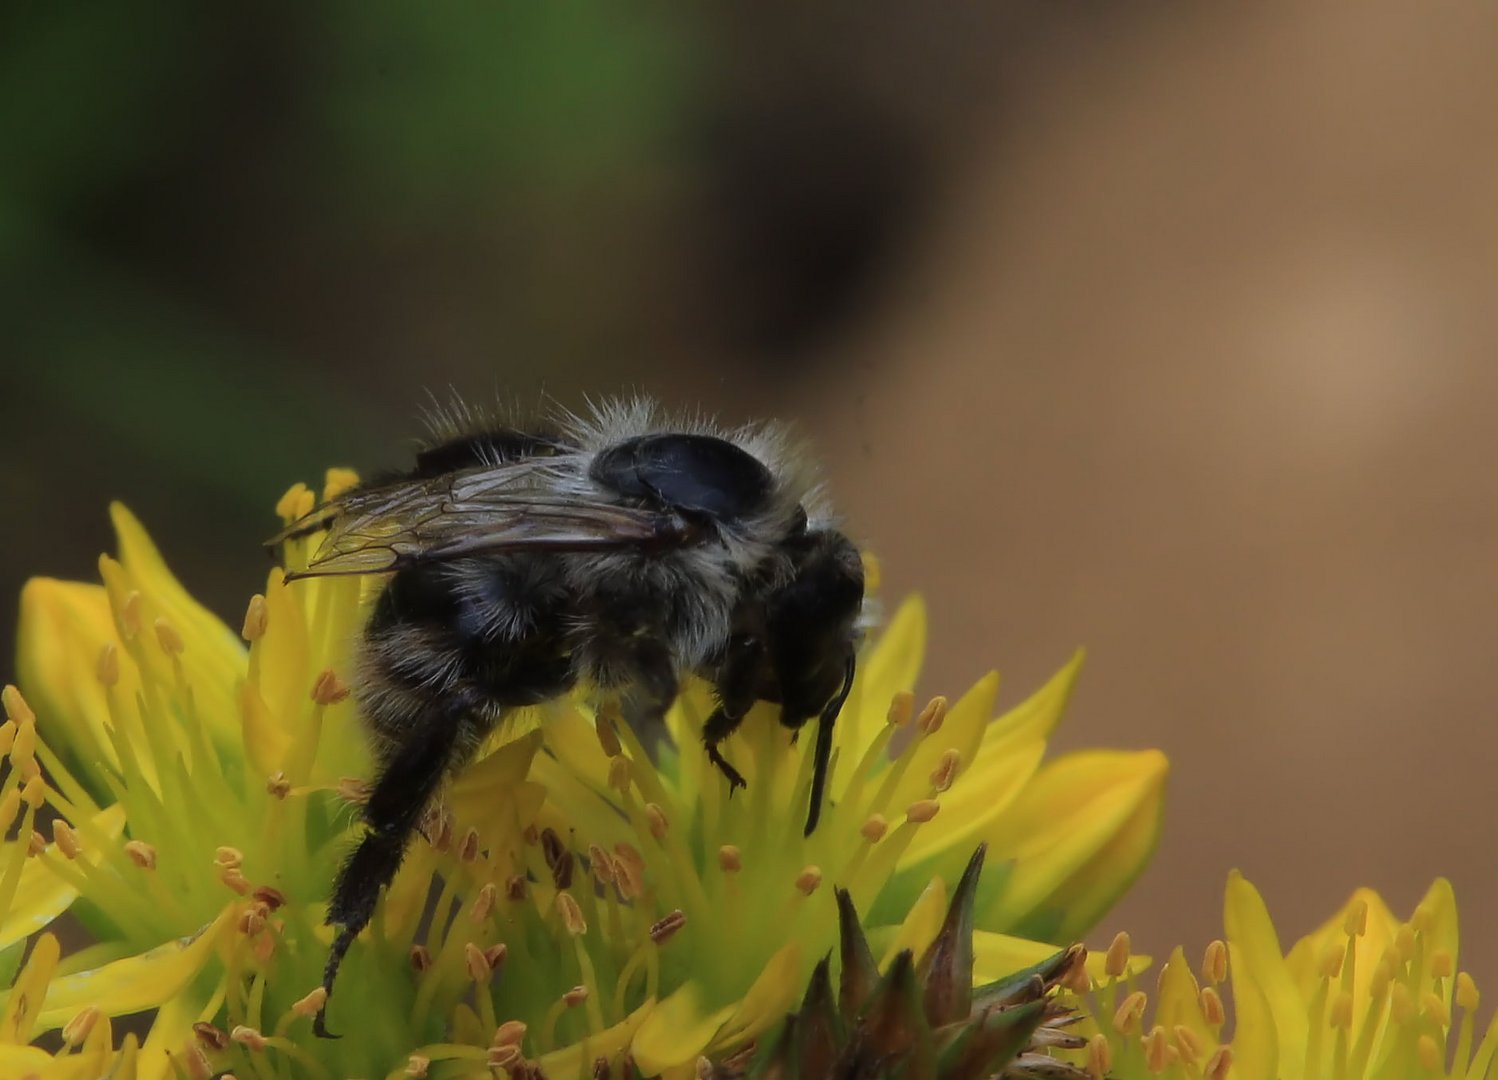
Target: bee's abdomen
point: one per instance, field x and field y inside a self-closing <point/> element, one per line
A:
<point x="490" y="629"/>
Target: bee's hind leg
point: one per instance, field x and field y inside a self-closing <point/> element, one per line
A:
<point x="407" y="782"/>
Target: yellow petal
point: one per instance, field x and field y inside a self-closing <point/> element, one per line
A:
<point x="1076" y="837"/>
<point x="1178" y="1001"/>
<point x="891" y="665"/>
<point x="26" y="999"/>
<point x="214" y="653"/>
<point x="1038" y="715"/>
<point x="41" y="895"/>
<point x="996" y="956"/>
<point x="134" y="983"/>
<point x="578" y="1058"/>
<point x="1259" y="973"/>
<point x="982" y="793"/>
<point x="922" y="924"/>
<point x="171" y="1028"/>
<point x="1380" y="927"/>
<point x="772" y="995"/>
<point x="677" y="1030"/>
<point x="29" y="1061"/>
<point x="64" y="625"/>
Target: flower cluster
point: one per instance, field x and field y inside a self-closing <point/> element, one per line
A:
<point x="577" y="906"/>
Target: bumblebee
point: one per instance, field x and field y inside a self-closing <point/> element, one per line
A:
<point x="619" y="551"/>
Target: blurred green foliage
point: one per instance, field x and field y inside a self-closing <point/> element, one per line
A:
<point x="235" y="240"/>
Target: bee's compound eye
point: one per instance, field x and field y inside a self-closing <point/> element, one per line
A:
<point x="693" y="474"/>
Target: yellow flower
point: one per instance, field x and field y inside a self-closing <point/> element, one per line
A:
<point x="574" y="900"/>
<point x="1364" y="997"/>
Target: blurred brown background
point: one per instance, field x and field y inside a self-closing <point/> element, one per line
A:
<point x="1164" y="331"/>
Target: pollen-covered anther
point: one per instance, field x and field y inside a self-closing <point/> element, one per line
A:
<point x="311" y="1003"/>
<point x="502" y="1057"/>
<point x="420" y="957"/>
<point x="703" y="1069"/>
<point x="1404" y="941"/>
<point x="1341" y="1011"/>
<point x="483" y="903"/>
<point x="468" y="847"/>
<point x="601" y="866"/>
<point x="130" y="615"/>
<point x="16" y="709"/>
<point x="1187" y="1042"/>
<point x="515" y="888"/>
<point x="1467" y="996"/>
<point x="168" y="638"/>
<point x="510" y="1033"/>
<point x="248" y="1037"/>
<point x="656" y="818"/>
<point x="233" y="877"/>
<point x="477" y="964"/>
<point x="575" y="997"/>
<point x="608" y="735"/>
<point x="328" y="688"/>
<point x="274" y="899"/>
<point x="10" y="806"/>
<point x="1130" y="1011"/>
<point x="1099" y="1057"/>
<point x="23" y="750"/>
<point x="620" y="774"/>
<point x="730" y="859"/>
<point x="141" y="854"/>
<point x="228" y="857"/>
<point x="1116" y="962"/>
<point x="354" y="790"/>
<point x="198" y="1065"/>
<point x="337" y="481"/>
<point x="65" y="837"/>
<point x="36" y="843"/>
<point x="808" y="879"/>
<point x="901" y="709"/>
<point x="531" y="835"/>
<point x="34" y="792"/>
<point x="1442" y="964"/>
<point x="495" y="955"/>
<point x="417" y="1065"/>
<point x="1219" y="1064"/>
<point x="1215" y="962"/>
<point x="1430" y="1053"/>
<point x="1156" y="1049"/>
<point x="210" y="1035"/>
<point x="1434" y="1008"/>
<point x="571" y="914"/>
<point x="933" y="716"/>
<point x="946" y="770"/>
<point x="278" y="785"/>
<point x="1075" y="977"/>
<point x="256" y="619"/>
<point x="107" y="666"/>
<point x="922" y="810"/>
<point x="874" y="828"/>
<point x="662" y="930"/>
<point x="252" y="920"/>
<point x="1213" y="1010"/>
<point x="1330" y="964"/>
<point x="76" y="1030"/>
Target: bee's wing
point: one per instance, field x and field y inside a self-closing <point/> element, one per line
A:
<point x="493" y="509"/>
